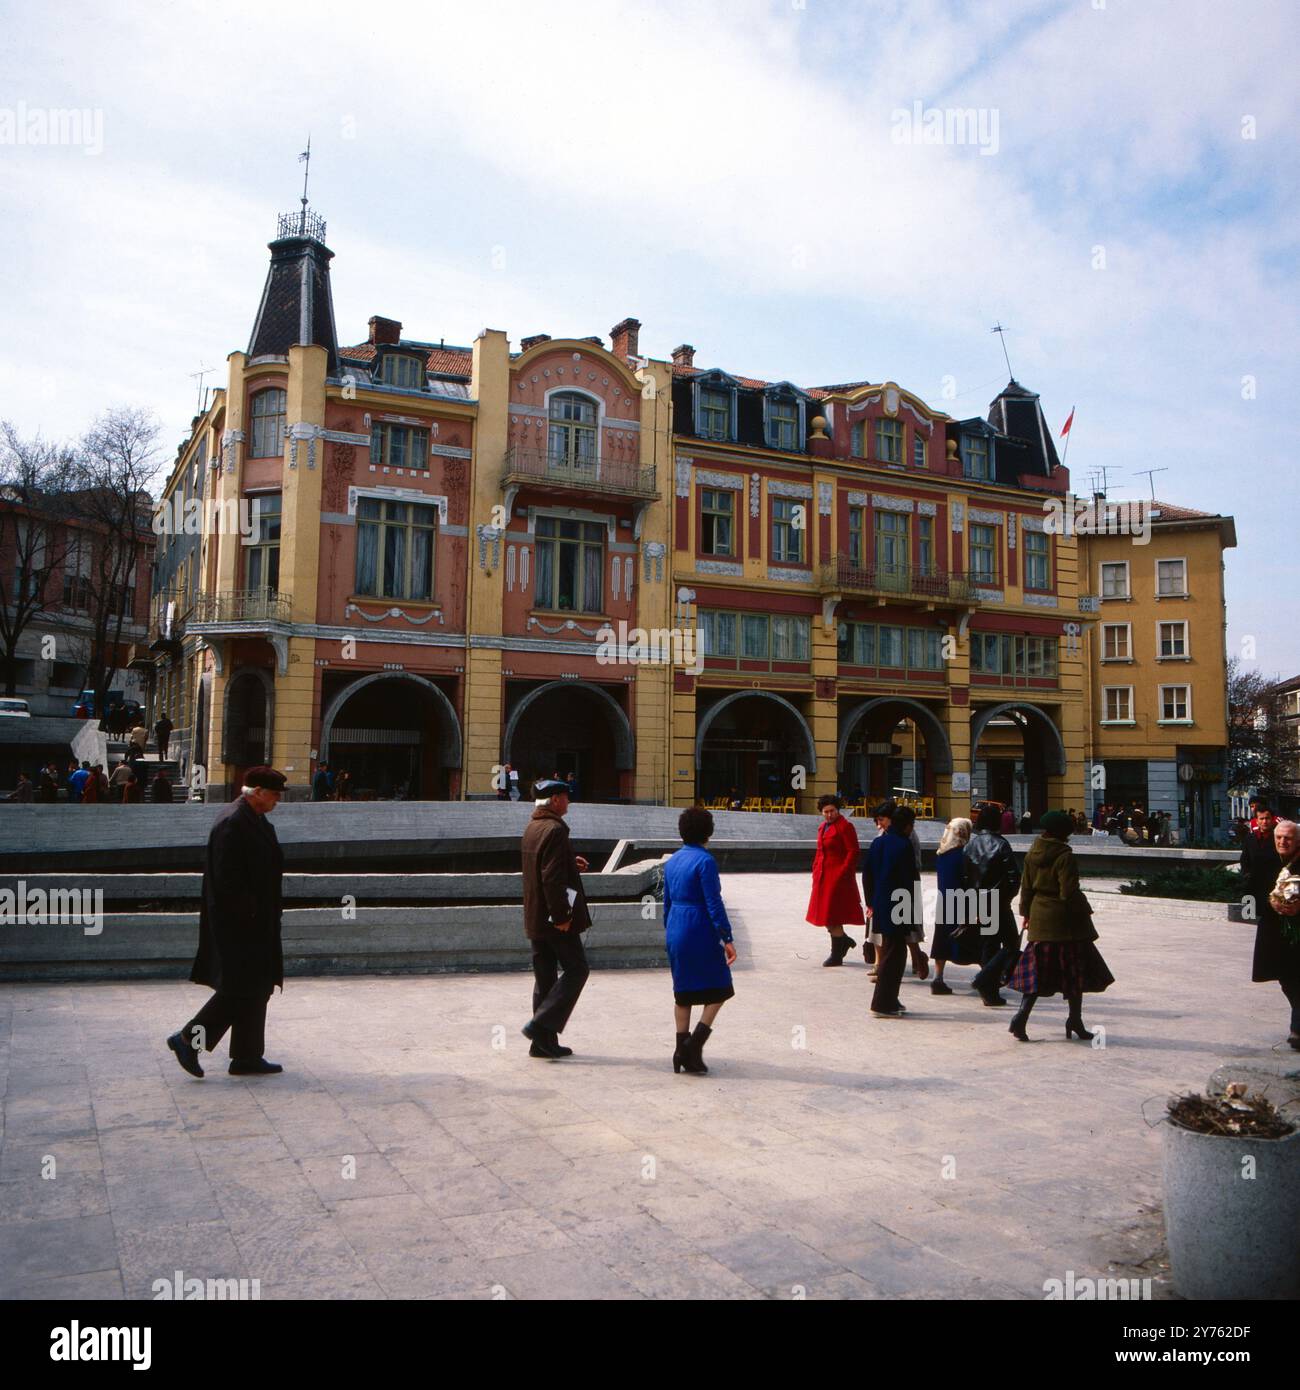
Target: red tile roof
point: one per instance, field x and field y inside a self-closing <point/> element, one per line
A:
<point x="442" y="361"/>
<point x="1169" y="512"/>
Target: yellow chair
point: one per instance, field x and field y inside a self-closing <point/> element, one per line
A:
<point x="787" y="807"/>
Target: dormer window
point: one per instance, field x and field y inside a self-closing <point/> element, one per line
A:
<point x="889" y="441"/>
<point x="976" y="457"/>
<point x="783" y="415"/>
<point x="713" y="417"/>
<point x="403" y="370"/>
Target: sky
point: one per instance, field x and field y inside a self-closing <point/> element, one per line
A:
<point x="748" y="176"/>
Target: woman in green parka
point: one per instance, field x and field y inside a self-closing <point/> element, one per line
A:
<point x="1060" y="957"/>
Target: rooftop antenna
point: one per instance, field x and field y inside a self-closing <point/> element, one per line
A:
<point x="1100" y="473"/>
<point x="1149" y="475"/>
<point x="199" y="375"/>
<point x="1002" y="338"/>
<point x="305" y="159"/>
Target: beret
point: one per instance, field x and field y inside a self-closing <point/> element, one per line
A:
<point x="549" y="786"/>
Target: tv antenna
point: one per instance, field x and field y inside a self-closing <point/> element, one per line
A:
<point x="1099" y="474"/>
<point x="1149" y="475"/>
<point x="199" y="375"/>
<point x="1002" y="338"/>
<point x="305" y="159"/>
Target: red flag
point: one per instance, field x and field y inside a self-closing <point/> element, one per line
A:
<point x="1065" y="429"/>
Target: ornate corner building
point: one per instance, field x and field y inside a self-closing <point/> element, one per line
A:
<point x="429" y="561"/>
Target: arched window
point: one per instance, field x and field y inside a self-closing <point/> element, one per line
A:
<point x="573" y="433"/>
<point x="268" y="424"/>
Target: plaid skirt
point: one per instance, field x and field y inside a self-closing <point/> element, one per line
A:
<point x="1060" y="967"/>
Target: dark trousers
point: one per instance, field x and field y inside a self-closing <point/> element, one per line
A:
<point x="997" y="952"/>
<point x="244" y="1015"/>
<point x="163" y="741"/>
<point x="554" y="997"/>
<point x="1291" y="988"/>
<point x="891" y="958"/>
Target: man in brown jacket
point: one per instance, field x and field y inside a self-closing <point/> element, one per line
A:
<point x="555" y="916"/>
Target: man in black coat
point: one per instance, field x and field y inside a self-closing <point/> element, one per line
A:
<point x="1267" y="848"/>
<point x="990" y="866"/>
<point x="239" y="953"/>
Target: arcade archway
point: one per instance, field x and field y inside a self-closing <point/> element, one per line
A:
<point x="751" y="742"/>
<point x="572" y="727"/>
<point x="396" y="735"/>
<point x="1015" y="748"/>
<point x="892" y="742"/>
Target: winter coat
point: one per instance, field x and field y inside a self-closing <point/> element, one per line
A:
<point x="1275" y="958"/>
<point x="834" y="901"/>
<point x="550" y="868"/>
<point x="695" y="921"/>
<point x="1051" y="897"/>
<point x="239" y="917"/>
<point x="891" y="866"/>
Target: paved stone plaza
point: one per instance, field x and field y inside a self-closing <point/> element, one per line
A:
<point x="827" y="1154"/>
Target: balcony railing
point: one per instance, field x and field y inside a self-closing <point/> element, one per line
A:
<point x="579" y="474"/>
<point x="897" y="581"/>
<point x="241" y="606"/>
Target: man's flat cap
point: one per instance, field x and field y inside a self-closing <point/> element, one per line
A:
<point x="266" y="777"/>
<point x="549" y="786"/>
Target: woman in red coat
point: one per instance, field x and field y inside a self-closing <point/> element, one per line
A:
<point x="835" y="902"/>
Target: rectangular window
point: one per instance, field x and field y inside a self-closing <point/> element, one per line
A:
<point x="1114" y="579"/>
<point x="76" y="575"/>
<point x="891" y="545"/>
<point x="925" y="544"/>
<point x="889" y="441"/>
<point x="570" y="565"/>
<point x="262" y="567"/>
<point x="753" y="637"/>
<point x="715" y="414"/>
<point x="1038" y="572"/>
<point x="1117" y="702"/>
<point x="716" y="521"/>
<point x="1173" y="639"/>
<point x="1115" y="642"/>
<point x="783" y="424"/>
<point x="990" y="654"/>
<point x="918" y="450"/>
<point x="399" y="369"/>
<point x="923" y="650"/>
<point x="399" y="446"/>
<point x="855" y="535"/>
<point x="790" y="639"/>
<point x="1175" y="702"/>
<point x="857" y="646"/>
<point x="890" y="640"/>
<point x="395" y="549"/>
<point x="1171" y="578"/>
<point x="975" y="456"/>
<point x="983" y="553"/>
<point x="268" y="424"/>
<point x="718" y="633"/>
<point x="787" y="538"/>
<point x="858" y="440"/>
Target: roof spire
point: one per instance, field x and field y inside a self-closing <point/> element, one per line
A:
<point x="305" y="159"/>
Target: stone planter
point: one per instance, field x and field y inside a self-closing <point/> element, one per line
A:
<point x="1232" y="1236"/>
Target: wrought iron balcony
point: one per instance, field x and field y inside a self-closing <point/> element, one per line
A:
<point x="243" y="606"/>
<point x="575" y="474"/>
<point x="910" y="582"/>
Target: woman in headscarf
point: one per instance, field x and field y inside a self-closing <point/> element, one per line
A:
<point x="949" y="863"/>
<point x="834" y="902"/>
<point x="1060" y="957"/>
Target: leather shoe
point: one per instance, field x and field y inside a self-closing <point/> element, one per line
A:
<point x="552" y="1050"/>
<point x="185" y="1054"/>
<point x="260" y="1067"/>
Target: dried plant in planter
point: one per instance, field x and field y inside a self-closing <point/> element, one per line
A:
<point x="1234" y="1115"/>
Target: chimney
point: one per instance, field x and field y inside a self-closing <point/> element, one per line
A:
<point x="384" y="331"/>
<point x="624" y="338"/>
<point x="684" y="356"/>
<point x="526" y="343"/>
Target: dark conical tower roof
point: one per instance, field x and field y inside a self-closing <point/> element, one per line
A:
<point x="297" y="306"/>
<point x="1018" y="413"/>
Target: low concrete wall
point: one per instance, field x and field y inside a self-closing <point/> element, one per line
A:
<point x="318" y="941"/>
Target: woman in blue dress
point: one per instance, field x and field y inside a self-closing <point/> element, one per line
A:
<point x="700" y="949"/>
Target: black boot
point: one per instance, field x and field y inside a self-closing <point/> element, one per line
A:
<point x="692" y="1050"/>
<point x="1017" y="1029"/>
<point x="1074" y="1018"/>
<point x="680" y="1051"/>
<point x="840" y="947"/>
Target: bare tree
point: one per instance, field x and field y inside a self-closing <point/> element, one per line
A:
<point x="36" y="479"/>
<point x="117" y="466"/>
<point x="1259" y="756"/>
